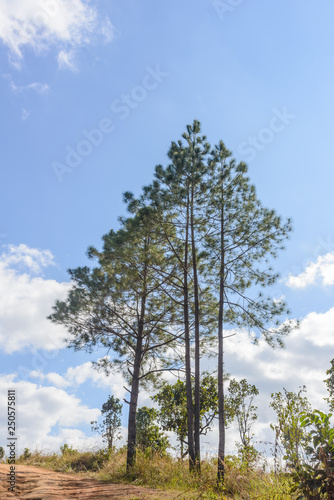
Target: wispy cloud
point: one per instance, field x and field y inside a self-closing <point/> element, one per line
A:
<point x="65" y="60"/>
<point x="25" y="114"/>
<point x="319" y="272"/>
<point x="42" y="24"/>
<point x="38" y="87"/>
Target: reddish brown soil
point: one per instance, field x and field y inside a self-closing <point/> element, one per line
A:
<point x="36" y="483"/>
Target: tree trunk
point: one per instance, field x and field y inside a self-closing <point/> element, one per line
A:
<point x="190" y="417"/>
<point x="197" y="340"/>
<point x="132" y="428"/>
<point x="109" y="438"/>
<point x="221" y="445"/>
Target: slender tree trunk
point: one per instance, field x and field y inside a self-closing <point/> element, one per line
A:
<point x="221" y="445"/>
<point x="132" y="428"/>
<point x="197" y="340"/>
<point x="109" y="437"/>
<point x="190" y="417"/>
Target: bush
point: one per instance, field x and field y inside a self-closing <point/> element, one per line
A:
<point x="91" y="461"/>
<point x="315" y="479"/>
<point x="150" y="439"/>
<point x="67" y="450"/>
<point x="26" y="453"/>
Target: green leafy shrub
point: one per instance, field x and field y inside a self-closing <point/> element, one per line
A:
<point x="150" y="439"/>
<point x="314" y="479"/>
<point x="67" y="450"/>
<point x="289" y="406"/>
<point x="26" y="453"/>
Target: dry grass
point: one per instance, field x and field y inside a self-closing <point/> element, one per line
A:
<point x="169" y="474"/>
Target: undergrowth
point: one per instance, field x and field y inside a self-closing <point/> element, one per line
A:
<point x="167" y="473"/>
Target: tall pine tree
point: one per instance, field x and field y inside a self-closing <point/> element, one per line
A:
<point x="180" y="192"/>
<point x="122" y="305"/>
<point x="243" y="239"/>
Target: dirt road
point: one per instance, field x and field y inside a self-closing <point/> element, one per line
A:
<point x="35" y="483"/>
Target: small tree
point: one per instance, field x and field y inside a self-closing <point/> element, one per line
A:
<point x="109" y="428"/>
<point x="149" y="436"/>
<point x="313" y="475"/>
<point x="2" y="453"/>
<point x="65" y="450"/>
<point x="239" y="406"/>
<point x="289" y="432"/>
<point x="26" y="453"/>
<point x="172" y="414"/>
<point x="172" y="400"/>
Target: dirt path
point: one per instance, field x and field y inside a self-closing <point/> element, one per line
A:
<point x="36" y="483"/>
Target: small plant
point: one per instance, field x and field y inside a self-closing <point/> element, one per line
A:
<point x="26" y="453"/>
<point x="67" y="450"/>
<point x="239" y="406"/>
<point x="288" y="430"/>
<point x="315" y="480"/>
<point x="2" y="453"/>
<point x="149" y="436"/>
<point x="109" y="428"/>
<point x="172" y="414"/>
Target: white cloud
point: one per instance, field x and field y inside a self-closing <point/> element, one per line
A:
<point x="40" y="409"/>
<point x="52" y="377"/>
<point x="319" y="329"/>
<point x="65" y="60"/>
<point x="42" y="24"/>
<point x="25" y="114"/>
<point x="38" y="87"/>
<point x="319" y="272"/>
<point x="77" y="375"/>
<point x="32" y="258"/>
<point x="26" y="301"/>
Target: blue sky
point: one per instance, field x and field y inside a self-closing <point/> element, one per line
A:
<point x="91" y="95"/>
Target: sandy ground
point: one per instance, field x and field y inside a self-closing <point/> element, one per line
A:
<point x="35" y="483"/>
